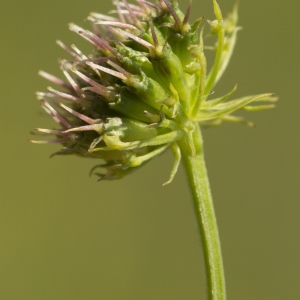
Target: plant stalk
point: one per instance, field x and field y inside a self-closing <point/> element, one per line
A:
<point x="206" y="219"/>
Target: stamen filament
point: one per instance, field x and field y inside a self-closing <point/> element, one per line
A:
<point x="78" y="115"/>
<point x="108" y="71"/>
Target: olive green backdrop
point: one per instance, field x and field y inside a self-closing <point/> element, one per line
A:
<point x="65" y="236"/>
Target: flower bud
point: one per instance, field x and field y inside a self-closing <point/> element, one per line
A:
<point x="144" y="87"/>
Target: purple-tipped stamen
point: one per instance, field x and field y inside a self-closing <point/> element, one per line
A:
<point x="55" y="115"/>
<point x="126" y="13"/>
<point x="42" y="95"/>
<point x="92" y="38"/>
<point x="150" y="4"/>
<point x="154" y="37"/>
<point x="132" y="6"/>
<point x="92" y="89"/>
<point x="82" y="56"/>
<point x="63" y="95"/>
<point x="79" y="31"/>
<point x="79" y="115"/>
<point x="120" y="69"/>
<point x="50" y="131"/>
<point x="94" y="60"/>
<point x="96" y="127"/>
<point x="102" y="44"/>
<point x="55" y="141"/>
<point x="187" y="14"/>
<point x="121" y="16"/>
<point x="71" y="80"/>
<point x="117" y="24"/>
<point x="108" y="71"/>
<point x="137" y="39"/>
<point x="173" y="13"/>
<point x="147" y="10"/>
<point x="55" y="80"/>
<point x="63" y="46"/>
<point x="100" y="88"/>
<point x="132" y="14"/>
<point x="102" y="17"/>
<point x="116" y="33"/>
<point x="96" y="30"/>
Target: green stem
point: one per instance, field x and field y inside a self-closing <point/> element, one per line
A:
<point x="206" y="219"/>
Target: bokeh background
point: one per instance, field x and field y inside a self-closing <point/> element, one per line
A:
<point x="66" y="236"/>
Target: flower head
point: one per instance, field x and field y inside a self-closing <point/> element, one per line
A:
<point x="143" y="88"/>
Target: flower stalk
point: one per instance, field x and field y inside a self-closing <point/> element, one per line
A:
<point x="205" y="215"/>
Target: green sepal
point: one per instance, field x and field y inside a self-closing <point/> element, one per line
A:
<point x="131" y="160"/>
<point x="130" y="130"/>
<point x="113" y="171"/>
<point x="149" y="90"/>
<point x="231" y="20"/>
<point x="177" y="158"/>
<point x="196" y="24"/>
<point x="217" y="10"/>
<point x="258" y="107"/>
<point x="134" y="160"/>
<point x="223" y="109"/>
<point x="168" y="67"/>
<point x="213" y="102"/>
<point x="114" y="142"/>
<point x="180" y="43"/>
<point x="227" y="118"/>
<point x="134" y="61"/>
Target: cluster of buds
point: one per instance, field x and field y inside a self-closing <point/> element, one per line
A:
<point x="143" y="88"/>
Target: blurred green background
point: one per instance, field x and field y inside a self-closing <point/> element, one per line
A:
<point x="65" y="236"/>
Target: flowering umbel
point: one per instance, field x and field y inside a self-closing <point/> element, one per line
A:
<point x="144" y="87"/>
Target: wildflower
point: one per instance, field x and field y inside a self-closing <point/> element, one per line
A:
<point x="144" y="88"/>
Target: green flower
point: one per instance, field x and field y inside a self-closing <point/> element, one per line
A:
<point x="144" y="87"/>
